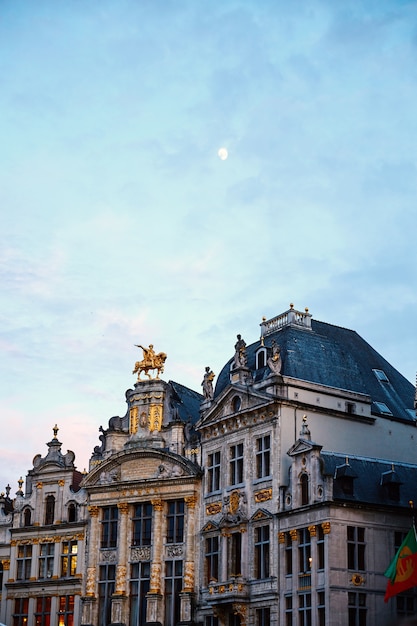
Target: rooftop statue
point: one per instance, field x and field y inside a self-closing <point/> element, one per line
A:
<point x="151" y="361"/>
<point x="240" y="359"/>
<point x="274" y="362"/>
<point x="208" y="384"/>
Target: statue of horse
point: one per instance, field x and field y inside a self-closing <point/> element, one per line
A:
<point x="147" y="366"/>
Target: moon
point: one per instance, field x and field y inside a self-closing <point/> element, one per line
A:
<point x="223" y="154"/>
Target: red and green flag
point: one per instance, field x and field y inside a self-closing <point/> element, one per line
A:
<point x="402" y="571"/>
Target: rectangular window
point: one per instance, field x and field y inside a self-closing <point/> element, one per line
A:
<point x="263" y="456"/>
<point x="262" y="552"/>
<point x="140" y="574"/>
<point x="263" y="617"/>
<point x="357" y="609"/>
<point x="210" y="620"/>
<point x="234" y="560"/>
<point x="321" y="612"/>
<point x="212" y="559"/>
<point x="406" y="604"/>
<point x="236" y="464"/>
<point x="21" y="611"/>
<point x="288" y="611"/>
<point x="66" y="611"/>
<point x="304" y="609"/>
<point x="69" y="558"/>
<point x="24" y="562"/>
<point x="106" y="586"/>
<point x="304" y="551"/>
<point x="43" y="611"/>
<point x="213" y="472"/>
<point x="109" y="527"/>
<point x="46" y="560"/>
<point x="173" y="586"/>
<point x="175" y="521"/>
<point x="320" y="548"/>
<point x="142" y="524"/>
<point x="288" y="554"/>
<point x="49" y="510"/>
<point x="356" y="548"/>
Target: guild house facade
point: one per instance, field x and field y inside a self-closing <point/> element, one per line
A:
<point x="278" y="496"/>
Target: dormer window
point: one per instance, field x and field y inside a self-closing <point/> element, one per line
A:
<point x="304" y="489"/>
<point x="27" y="517"/>
<point x="49" y="510"/>
<point x="391" y="482"/>
<point x="382" y="408"/>
<point x="344" y="475"/>
<point x="381" y="376"/>
<point x="261" y="358"/>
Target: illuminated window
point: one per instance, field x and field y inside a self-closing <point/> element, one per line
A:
<point x="66" y="611"/>
<point x="43" y="611"/>
<point x="69" y="558"/>
<point x="20" y="614"/>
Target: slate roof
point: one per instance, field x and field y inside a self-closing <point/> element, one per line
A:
<point x="336" y="357"/>
<point x="371" y="479"/>
<point x="187" y="402"/>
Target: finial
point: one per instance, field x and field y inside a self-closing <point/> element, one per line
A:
<point x="291" y="305"/>
<point x="264" y="320"/>
<point x="306" y="309"/>
<point x="347" y="460"/>
<point x="20" y="483"/>
<point x="411" y="503"/>
<point x="262" y="340"/>
<point x="55" y="430"/>
<point x="8" y="488"/>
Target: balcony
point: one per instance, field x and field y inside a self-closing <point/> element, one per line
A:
<point x="232" y="590"/>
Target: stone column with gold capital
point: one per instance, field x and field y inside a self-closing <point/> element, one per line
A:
<point x="93" y="551"/>
<point x="122" y="543"/>
<point x="190" y="556"/>
<point x="154" y="606"/>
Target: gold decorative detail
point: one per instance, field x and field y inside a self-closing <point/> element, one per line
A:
<point x="259" y="515"/>
<point x="93" y="511"/>
<point x="155" y="583"/>
<point x="91" y="580"/>
<point x="281" y="537"/>
<point x="150" y="362"/>
<point x="326" y="527"/>
<point x="61" y="483"/>
<point x="39" y="485"/>
<point x="294" y="535"/>
<point x="13" y="543"/>
<point x="155" y="417"/>
<point x="213" y="508"/>
<point x="6" y="564"/>
<point x="357" y="580"/>
<point x="312" y="530"/>
<point x="123" y="507"/>
<point x="158" y="504"/>
<point x="234" y="502"/>
<point x="190" y="501"/>
<point x="263" y="495"/>
<point x="133" y="422"/>
<point x="120" y="578"/>
<point x="222" y="589"/>
<point x="189" y="576"/>
<point x="55" y="430"/>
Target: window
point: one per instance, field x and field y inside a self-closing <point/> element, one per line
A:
<point x="142" y="524"/>
<point x="304" y="551"/>
<point x="24" y="562"/>
<point x="356" y="548"/>
<point x="263" y="617"/>
<point x="235" y="554"/>
<point x="46" y="560"/>
<point x="69" y="558"/>
<point x="27" y="517"/>
<point x="236" y="464"/>
<point x="288" y="611"/>
<point x="320" y="548"/>
<point x="109" y="527"/>
<point x="213" y="471"/>
<point x="381" y="376"/>
<point x="406" y="604"/>
<point x="139" y="586"/>
<point x="288" y="554"/>
<point x="175" y="521"/>
<point x="66" y="611"/>
<point x="357" y="609"/>
<point x="382" y="408"/>
<point x="304" y="489"/>
<point x="173" y="586"/>
<point x="20" y="615"/>
<point x="262" y="552"/>
<point x="321" y="609"/>
<point x="236" y="404"/>
<point x="43" y="611"/>
<point x="350" y="408"/>
<point x="212" y="559"/>
<point x="261" y="358"/>
<point x="304" y="609"/>
<point x="263" y="456"/>
<point x="72" y="512"/>
<point x="49" y="510"/>
<point x="211" y="620"/>
<point x="106" y="586"/>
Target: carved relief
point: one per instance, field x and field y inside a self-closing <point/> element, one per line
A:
<point x="155" y="417"/>
<point x="213" y="508"/>
<point x="326" y="527"/>
<point x="174" y="551"/>
<point x="108" y="556"/>
<point x="91" y="579"/>
<point x="134" y="422"/>
<point x="263" y="495"/>
<point x="120" y="578"/>
<point x="140" y="554"/>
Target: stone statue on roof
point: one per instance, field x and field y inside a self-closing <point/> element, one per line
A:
<point x="275" y="362"/>
<point x="240" y="358"/>
<point x="207" y="384"/>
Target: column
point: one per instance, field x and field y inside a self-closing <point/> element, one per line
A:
<point x="89" y="599"/>
<point x="189" y="568"/>
<point x="154" y="608"/>
<point x="119" y="596"/>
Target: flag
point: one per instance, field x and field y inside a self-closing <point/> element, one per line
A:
<point x="402" y="571"/>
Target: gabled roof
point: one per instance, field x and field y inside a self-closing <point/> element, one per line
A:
<point x="335" y="357"/>
<point x="187" y="402"/>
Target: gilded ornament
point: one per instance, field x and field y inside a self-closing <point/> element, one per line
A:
<point x="151" y="361"/>
<point x="326" y="527"/>
<point x="294" y="535"/>
<point x="155" y="417"/>
<point x="312" y="530"/>
<point x="263" y="495"/>
<point x="281" y="537"/>
<point x="133" y="425"/>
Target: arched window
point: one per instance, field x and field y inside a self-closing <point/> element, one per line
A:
<point x="49" y="510"/>
<point x="304" y="489"/>
<point x="27" y="517"/>
<point x="72" y="512"/>
<point x="236" y="402"/>
<point x="261" y="358"/>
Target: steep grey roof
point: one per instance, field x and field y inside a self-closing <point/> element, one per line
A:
<point x="187" y="402"/>
<point x="371" y="479"/>
<point x="336" y="357"/>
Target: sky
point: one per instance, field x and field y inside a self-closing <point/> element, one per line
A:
<point x="120" y="224"/>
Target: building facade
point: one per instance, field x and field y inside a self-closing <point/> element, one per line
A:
<point x="277" y="497"/>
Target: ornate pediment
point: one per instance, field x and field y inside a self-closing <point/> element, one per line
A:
<point x="261" y="514"/>
<point x="302" y="446"/>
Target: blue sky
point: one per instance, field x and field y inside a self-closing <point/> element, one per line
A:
<point x="120" y="224"/>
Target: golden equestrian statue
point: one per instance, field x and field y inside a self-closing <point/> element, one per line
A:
<point x="151" y="361"/>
